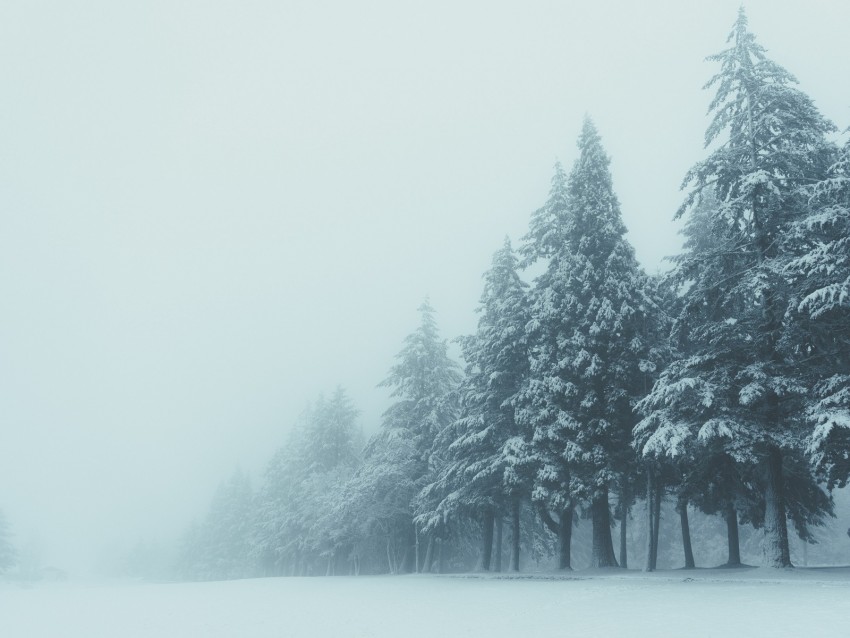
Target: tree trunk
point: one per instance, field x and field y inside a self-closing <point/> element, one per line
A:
<point x="603" y="547"/>
<point x="303" y="567"/>
<point x="563" y="529"/>
<point x="650" y="519"/>
<point x="408" y="560"/>
<point x="656" y="516"/>
<point x="429" y="554"/>
<point x="732" y="537"/>
<point x="624" y="515"/>
<point x="497" y="563"/>
<point x="777" y="553"/>
<point x="686" y="535"/>
<point x="415" y="548"/>
<point x="515" y="507"/>
<point x="565" y="537"/>
<point x="390" y="562"/>
<point x="486" y="540"/>
<point x="440" y="554"/>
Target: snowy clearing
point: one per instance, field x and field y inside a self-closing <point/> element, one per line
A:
<point x="756" y="602"/>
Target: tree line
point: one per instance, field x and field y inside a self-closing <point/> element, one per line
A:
<point x="723" y="384"/>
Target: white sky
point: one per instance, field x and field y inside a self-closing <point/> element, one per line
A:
<point x="212" y="211"/>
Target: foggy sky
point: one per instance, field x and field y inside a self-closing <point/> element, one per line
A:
<point x="212" y="211"/>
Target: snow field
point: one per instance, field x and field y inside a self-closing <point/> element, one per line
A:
<point x="714" y="603"/>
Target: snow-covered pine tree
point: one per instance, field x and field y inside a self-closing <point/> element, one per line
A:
<point x="190" y="562"/>
<point x="423" y="381"/>
<point x="375" y="505"/>
<point x="820" y="244"/>
<point x="481" y="473"/>
<point x="670" y="433"/>
<point x="297" y="528"/>
<point x="398" y="460"/>
<point x="590" y="313"/>
<point x="548" y="225"/>
<point x="551" y="493"/>
<point x="332" y="433"/>
<point x="275" y="539"/>
<point x="332" y="447"/>
<point x="653" y="477"/>
<point x="229" y="524"/>
<point x="740" y="383"/>
<point x="219" y="547"/>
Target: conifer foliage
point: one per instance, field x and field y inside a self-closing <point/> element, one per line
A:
<point x="821" y="268"/>
<point x="482" y="473"/>
<point x="400" y="460"/>
<point x="218" y="547"/>
<point x="589" y="312"/>
<point x="741" y="383"/>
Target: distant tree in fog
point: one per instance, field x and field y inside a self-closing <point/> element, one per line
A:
<point x="218" y="547"/>
<point x="296" y="529"/>
<point x="399" y="460"/>
<point x="8" y="554"/>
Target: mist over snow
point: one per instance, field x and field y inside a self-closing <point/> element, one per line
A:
<point x="213" y="212"/>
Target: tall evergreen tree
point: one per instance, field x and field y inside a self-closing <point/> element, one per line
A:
<point x="548" y="225"/>
<point x="332" y="454"/>
<point x="423" y="381"/>
<point x="674" y="413"/>
<point x="276" y="538"/>
<point x="229" y="528"/>
<point x="331" y="435"/>
<point x="820" y="244"/>
<point x="399" y="460"/>
<point x="740" y="383"/>
<point x="297" y="529"/>
<point x="587" y="342"/>
<point x="376" y="503"/>
<point x="219" y="547"/>
<point x="552" y="492"/>
<point x="481" y="474"/>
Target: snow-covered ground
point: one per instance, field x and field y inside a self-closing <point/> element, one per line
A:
<point x="723" y="603"/>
